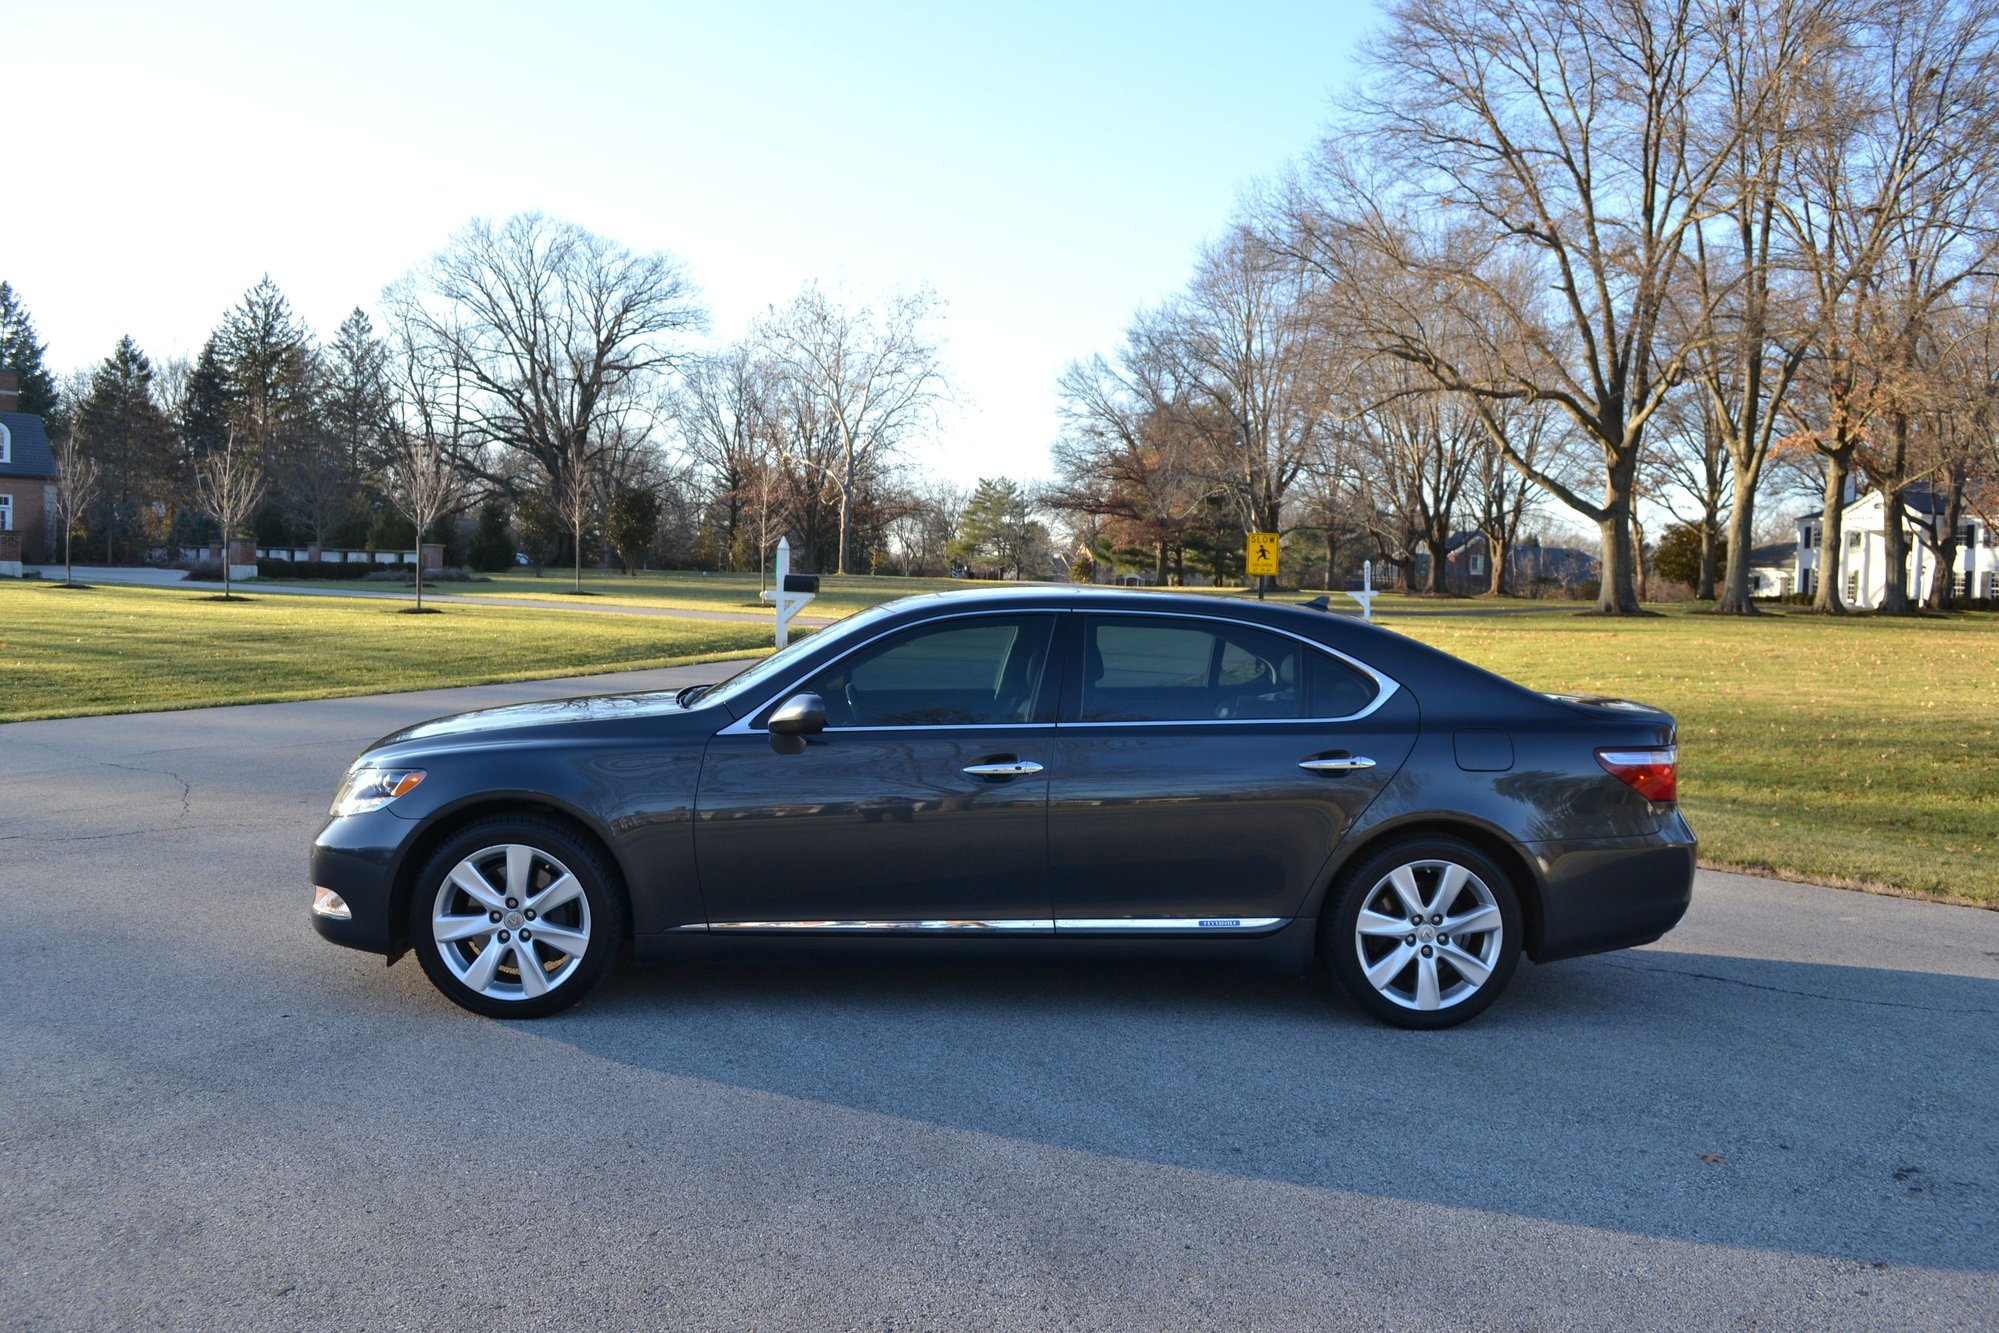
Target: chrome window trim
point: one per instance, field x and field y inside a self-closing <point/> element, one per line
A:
<point x="1387" y="686"/>
<point x="1188" y="925"/>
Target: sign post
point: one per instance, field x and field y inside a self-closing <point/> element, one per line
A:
<point x="1260" y="557"/>
<point x="792" y="592"/>
<point x="1366" y="594"/>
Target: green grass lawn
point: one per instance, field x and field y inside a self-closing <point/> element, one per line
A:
<point x="125" y="650"/>
<point x="1858" y="751"/>
<point x="1861" y="751"/>
<point x="679" y="590"/>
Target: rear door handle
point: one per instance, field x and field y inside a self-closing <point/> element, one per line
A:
<point x="1344" y="764"/>
<point x="1012" y="768"/>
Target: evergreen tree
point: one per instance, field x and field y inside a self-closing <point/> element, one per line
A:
<point x="207" y="406"/>
<point x="632" y="522"/>
<point x="21" y="352"/>
<point x="355" y="396"/>
<point x="121" y="426"/>
<point x="491" y="549"/>
<point x="998" y="525"/>
<point x="267" y="357"/>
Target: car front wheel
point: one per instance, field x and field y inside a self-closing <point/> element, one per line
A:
<point x="1424" y="933"/>
<point x="516" y="917"/>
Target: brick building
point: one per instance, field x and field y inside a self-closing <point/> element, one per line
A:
<point x="27" y="481"/>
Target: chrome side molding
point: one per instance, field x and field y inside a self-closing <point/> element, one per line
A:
<point x="1156" y="925"/>
<point x="1147" y="925"/>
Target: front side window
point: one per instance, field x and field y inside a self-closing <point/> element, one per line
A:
<point x="978" y="671"/>
<point x="1162" y="669"/>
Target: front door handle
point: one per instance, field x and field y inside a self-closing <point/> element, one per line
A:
<point x="1011" y="768"/>
<point x="1342" y="764"/>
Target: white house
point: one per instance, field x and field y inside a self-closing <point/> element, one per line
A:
<point x="1863" y="560"/>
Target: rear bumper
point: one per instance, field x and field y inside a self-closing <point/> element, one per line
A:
<point x="356" y="857"/>
<point x="1599" y="894"/>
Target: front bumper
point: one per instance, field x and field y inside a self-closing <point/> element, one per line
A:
<point x="357" y="857"/>
<point x="1599" y="894"/>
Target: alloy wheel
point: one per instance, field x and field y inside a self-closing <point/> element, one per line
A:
<point x="511" y="922"/>
<point x="1429" y="934"/>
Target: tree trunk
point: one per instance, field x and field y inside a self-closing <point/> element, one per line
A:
<point x="1332" y="555"/>
<point x="1617" y="595"/>
<point x="1705" y="588"/>
<point x="1735" y="599"/>
<point x="846" y="512"/>
<point x="1159" y="566"/>
<point x="1439" y="564"/>
<point x="1495" y="555"/>
<point x="1943" y="587"/>
<point x="1829" y="599"/>
<point x="1895" y="553"/>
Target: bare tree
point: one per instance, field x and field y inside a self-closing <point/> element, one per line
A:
<point x="76" y="490"/>
<point x="228" y="487"/>
<point x="1129" y="454"/>
<point x="1891" y="214"/>
<point x="1749" y="332"/>
<point x="873" y="376"/>
<point x="557" y="332"/>
<point x="424" y="441"/>
<point x="1538" y="159"/>
<point x="1688" y="470"/>
<point x="1249" y="370"/>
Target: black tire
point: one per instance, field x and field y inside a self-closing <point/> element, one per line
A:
<point x="597" y="915"/>
<point x="1457" y="996"/>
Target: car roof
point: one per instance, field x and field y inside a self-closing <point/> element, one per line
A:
<point x="1400" y="657"/>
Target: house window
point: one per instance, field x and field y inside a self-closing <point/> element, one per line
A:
<point x="1958" y="583"/>
<point x="6" y="513"/>
<point x="1853" y="588"/>
<point x="1477" y="563"/>
<point x="1852" y="541"/>
<point x="6" y="446"/>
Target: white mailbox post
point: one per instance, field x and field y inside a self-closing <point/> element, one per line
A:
<point x="792" y="592"/>
<point x="1365" y="596"/>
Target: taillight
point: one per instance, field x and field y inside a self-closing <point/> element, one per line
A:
<point x="1653" y="774"/>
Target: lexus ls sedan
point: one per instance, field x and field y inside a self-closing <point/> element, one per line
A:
<point x="1063" y="772"/>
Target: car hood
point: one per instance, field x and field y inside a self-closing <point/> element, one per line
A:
<point x="537" y="716"/>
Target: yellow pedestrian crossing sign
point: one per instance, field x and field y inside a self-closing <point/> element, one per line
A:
<point x="1262" y="553"/>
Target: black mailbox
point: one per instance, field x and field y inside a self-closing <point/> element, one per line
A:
<point x="801" y="583"/>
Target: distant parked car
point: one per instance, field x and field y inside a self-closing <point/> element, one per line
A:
<point x="1071" y="771"/>
<point x="521" y="558"/>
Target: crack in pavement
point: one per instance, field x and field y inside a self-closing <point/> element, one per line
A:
<point x="186" y="788"/>
<point x="1804" y="994"/>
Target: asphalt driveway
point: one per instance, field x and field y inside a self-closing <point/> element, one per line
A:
<point x="1782" y="1115"/>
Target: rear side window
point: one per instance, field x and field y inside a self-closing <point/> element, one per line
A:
<point x="1166" y="669"/>
<point x="1158" y="669"/>
<point x="1339" y="690"/>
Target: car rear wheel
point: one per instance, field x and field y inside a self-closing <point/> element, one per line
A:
<point x="1424" y="933"/>
<point x="516" y="917"/>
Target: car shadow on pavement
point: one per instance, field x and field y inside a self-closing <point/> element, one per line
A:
<point x="1748" y="1102"/>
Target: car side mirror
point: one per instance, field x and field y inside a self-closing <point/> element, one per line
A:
<point x="796" y="718"/>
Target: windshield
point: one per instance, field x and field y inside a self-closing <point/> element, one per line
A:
<point x="745" y="690"/>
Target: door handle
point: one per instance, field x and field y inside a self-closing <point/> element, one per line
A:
<point x="1343" y="764"/>
<point x="1012" y="768"/>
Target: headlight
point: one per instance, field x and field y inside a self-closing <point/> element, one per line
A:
<point x="372" y="788"/>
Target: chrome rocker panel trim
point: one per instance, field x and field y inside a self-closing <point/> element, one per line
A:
<point x="1186" y="925"/>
